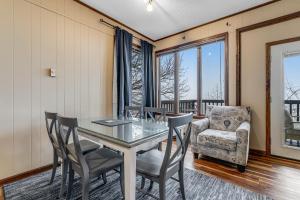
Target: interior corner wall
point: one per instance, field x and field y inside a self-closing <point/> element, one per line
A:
<point x="251" y="96"/>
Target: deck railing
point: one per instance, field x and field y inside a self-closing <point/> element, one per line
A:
<point x="293" y="106"/>
<point x="186" y="106"/>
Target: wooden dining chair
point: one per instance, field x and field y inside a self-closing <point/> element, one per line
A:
<point x="58" y="151"/>
<point x="133" y="111"/>
<point x="160" y="167"/>
<point x="90" y="165"/>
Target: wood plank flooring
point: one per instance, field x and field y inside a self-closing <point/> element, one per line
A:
<point x="276" y="177"/>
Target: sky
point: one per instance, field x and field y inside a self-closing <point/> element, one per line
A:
<point x="211" y="63"/>
<point x="292" y="72"/>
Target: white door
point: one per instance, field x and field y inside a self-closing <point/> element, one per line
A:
<point x="285" y="95"/>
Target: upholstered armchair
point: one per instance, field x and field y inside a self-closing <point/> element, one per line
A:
<point x="223" y="134"/>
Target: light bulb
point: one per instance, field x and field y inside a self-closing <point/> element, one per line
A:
<point x="149" y="7"/>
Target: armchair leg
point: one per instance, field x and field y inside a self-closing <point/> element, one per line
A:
<point x="241" y="168"/>
<point x="196" y="155"/>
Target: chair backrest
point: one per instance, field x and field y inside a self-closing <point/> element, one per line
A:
<point x="152" y="111"/>
<point x="175" y="123"/>
<point x="227" y="118"/>
<point x="68" y="126"/>
<point x="133" y="111"/>
<point x="51" y="123"/>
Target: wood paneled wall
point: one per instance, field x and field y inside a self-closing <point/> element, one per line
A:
<point x="37" y="35"/>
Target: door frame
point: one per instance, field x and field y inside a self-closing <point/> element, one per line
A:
<point x="268" y="88"/>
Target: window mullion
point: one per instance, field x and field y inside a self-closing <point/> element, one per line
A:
<point x="176" y="83"/>
<point x="199" y="80"/>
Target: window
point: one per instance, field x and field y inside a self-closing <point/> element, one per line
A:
<point x="137" y="78"/>
<point x="192" y="78"/>
<point x="187" y="80"/>
<point x="167" y="77"/>
<point x="212" y="74"/>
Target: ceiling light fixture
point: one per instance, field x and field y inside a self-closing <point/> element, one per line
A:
<point x="149" y="5"/>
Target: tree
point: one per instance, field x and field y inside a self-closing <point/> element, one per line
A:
<point x="137" y="78"/>
<point x="167" y="71"/>
<point x="291" y="92"/>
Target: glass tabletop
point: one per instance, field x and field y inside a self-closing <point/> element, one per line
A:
<point x="128" y="134"/>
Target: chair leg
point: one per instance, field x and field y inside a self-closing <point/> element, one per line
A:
<point x="85" y="187"/>
<point x="55" y="163"/>
<point x="122" y="179"/>
<point x="241" y="168"/>
<point x="181" y="181"/>
<point x="162" y="190"/>
<point x="150" y="186"/>
<point x="70" y="182"/>
<point x="64" y="177"/>
<point x="104" y="178"/>
<point x="196" y="155"/>
<point x="143" y="182"/>
<point x="160" y="146"/>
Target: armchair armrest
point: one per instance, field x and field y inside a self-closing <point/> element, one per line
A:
<point x="197" y="127"/>
<point x="243" y="134"/>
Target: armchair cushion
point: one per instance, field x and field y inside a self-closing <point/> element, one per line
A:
<point x="227" y="118"/>
<point x="226" y="140"/>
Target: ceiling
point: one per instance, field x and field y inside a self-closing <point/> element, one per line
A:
<point x="169" y="16"/>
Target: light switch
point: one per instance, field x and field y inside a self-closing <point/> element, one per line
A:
<point x="52" y="72"/>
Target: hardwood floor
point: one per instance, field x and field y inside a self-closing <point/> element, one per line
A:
<point x="276" y="177"/>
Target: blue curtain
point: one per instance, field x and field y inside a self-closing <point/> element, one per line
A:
<point x="149" y="92"/>
<point x="123" y="57"/>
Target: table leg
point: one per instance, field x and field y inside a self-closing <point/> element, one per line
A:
<point x="130" y="173"/>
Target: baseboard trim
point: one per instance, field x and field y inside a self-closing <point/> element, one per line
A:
<point x="24" y="175"/>
<point x="257" y="152"/>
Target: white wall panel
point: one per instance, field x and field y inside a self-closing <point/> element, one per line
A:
<point x="48" y="84"/>
<point x="35" y="86"/>
<point x="22" y="86"/>
<point x="77" y="63"/>
<point x="6" y="89"/>
<point x="39" y="36"/>
<point x="69" y="68"/>
<point x="60" y="66"/>
<point x="84" y="72"/>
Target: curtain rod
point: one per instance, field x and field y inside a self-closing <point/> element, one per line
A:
<point x="113" y="26"/>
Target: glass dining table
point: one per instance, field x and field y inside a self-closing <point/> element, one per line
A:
<point x="127" y="136"/>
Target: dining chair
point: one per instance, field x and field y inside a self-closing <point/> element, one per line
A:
<point x="158" y="166"/>
<point x="156" y="114"/>
<point x="58" y="151"/>
<point x="90" y="165"/>
<point x="133" y="111"/>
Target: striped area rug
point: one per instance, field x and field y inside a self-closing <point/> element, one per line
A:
<point x="197" y="186"/>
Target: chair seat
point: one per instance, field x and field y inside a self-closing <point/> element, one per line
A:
<point x="86" y="147"/>
<point x="149" y="163"/>
<point x="103" y="160"/>
<point x="218" y="139"/>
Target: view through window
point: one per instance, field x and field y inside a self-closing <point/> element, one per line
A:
<point x="193" y="78"/>
<point x="137" y="78"/>
<point x="291" y="65"/>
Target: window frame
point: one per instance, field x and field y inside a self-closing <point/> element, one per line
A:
<point x="194" y="44"/>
